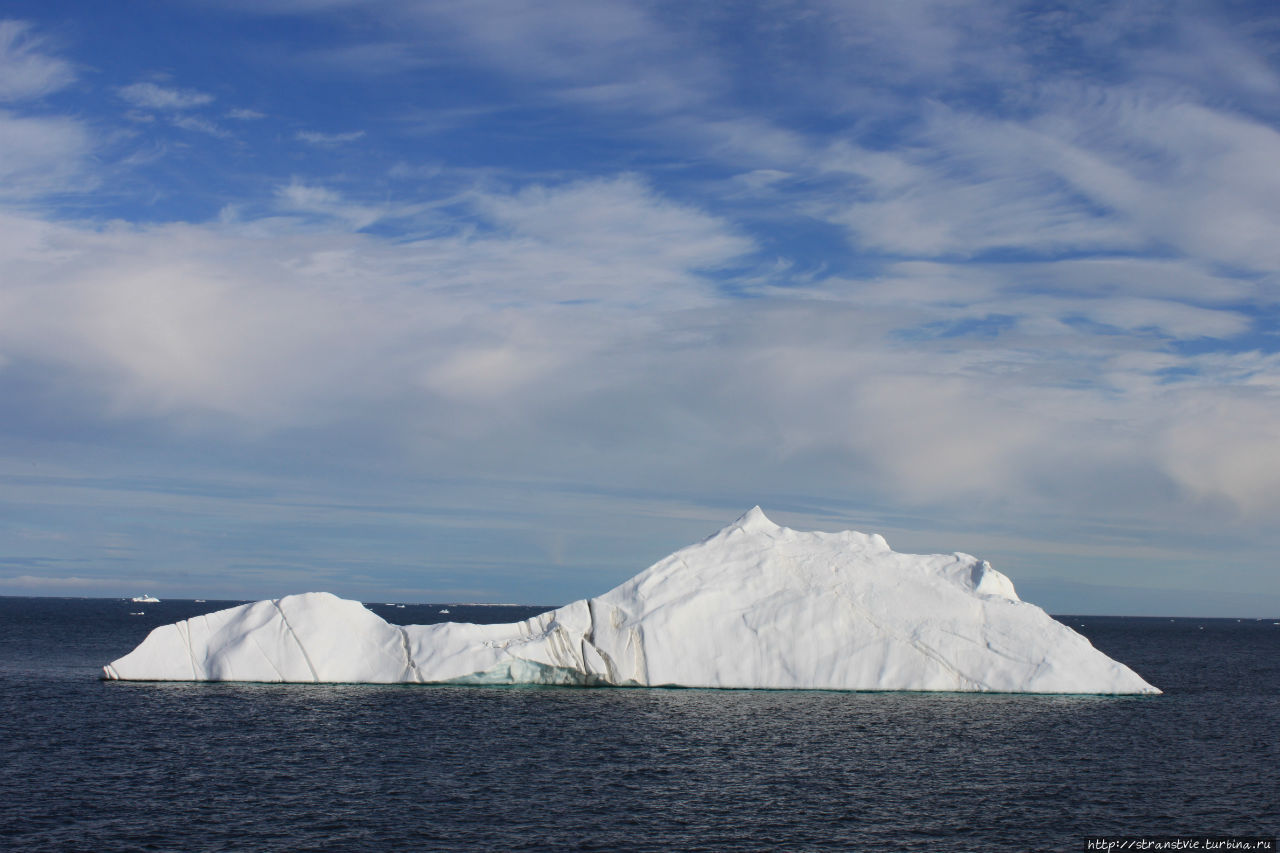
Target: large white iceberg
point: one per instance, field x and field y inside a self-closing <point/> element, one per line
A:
<point x="754" y="606"/>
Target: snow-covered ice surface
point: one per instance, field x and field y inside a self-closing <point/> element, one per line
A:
<point x="754" y="606"/>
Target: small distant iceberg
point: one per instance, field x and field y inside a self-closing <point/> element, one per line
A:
<point x="444" y="610"/>
<point x="756" y="605"/>
<point x="145" y="599"/>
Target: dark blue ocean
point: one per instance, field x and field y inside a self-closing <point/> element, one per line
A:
<point x="102" y="766"/>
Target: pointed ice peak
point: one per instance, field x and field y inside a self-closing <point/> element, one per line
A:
<point x="754" y="521"/>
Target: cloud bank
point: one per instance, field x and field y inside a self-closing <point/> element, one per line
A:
<point x="970" y="277"/>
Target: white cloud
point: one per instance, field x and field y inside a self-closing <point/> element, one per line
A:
<point x="969" y="185"/>
<point x="1205" y="48"/>
<point x="200" y="125"/>
<point x="156" y="97"/>
<point x="581" y="51"/>
<point x="265" y="325"/>
<point x="574" y="332"/>
<point x="617" y="223"/>
<point x="325" y="203"/>
<point x="488" y="373"/>
<point x="73" y="582"/>
<point x="1184" y="322"/>
<point x="1113" y="173"/>
<point x="381" y="57"/>
<point x="25" y="71"/>
<point x="579" y="330"/>
<point x="1221" y="445"/>
<point x="931" y="40"/>
<point x="317" y="138"/>
<point x="40" y="156"/>
<point x="1133" y="276"/>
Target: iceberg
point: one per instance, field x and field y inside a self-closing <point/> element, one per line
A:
<point x="756" y="605"/>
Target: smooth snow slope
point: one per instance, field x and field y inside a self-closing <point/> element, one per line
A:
<point x="755" y="605"/>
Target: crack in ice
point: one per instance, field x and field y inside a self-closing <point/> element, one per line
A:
<point x="306" y="657"/>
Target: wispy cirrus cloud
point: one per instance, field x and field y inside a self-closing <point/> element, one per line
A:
<point x="26" y="69"/>
<point x="315" y="137"/>
<point x="1118" y="174"/>
<point x="327" y="204"/>
<point x="573" y="50"/>
<point x="200" y="125"/>
<point x="153" y="96"/>
<point x="41" y="156"/>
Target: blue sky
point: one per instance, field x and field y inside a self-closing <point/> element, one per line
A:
<point x="503" y="301"/>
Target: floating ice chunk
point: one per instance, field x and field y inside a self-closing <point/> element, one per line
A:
<point x="754" y="606"/>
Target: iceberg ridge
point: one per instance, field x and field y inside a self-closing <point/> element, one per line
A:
<point x="755" y="605"/>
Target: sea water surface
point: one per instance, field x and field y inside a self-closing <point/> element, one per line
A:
<point x="99" y="766"/>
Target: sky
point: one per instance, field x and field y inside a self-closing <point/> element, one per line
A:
<point x="504" y="301"/>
